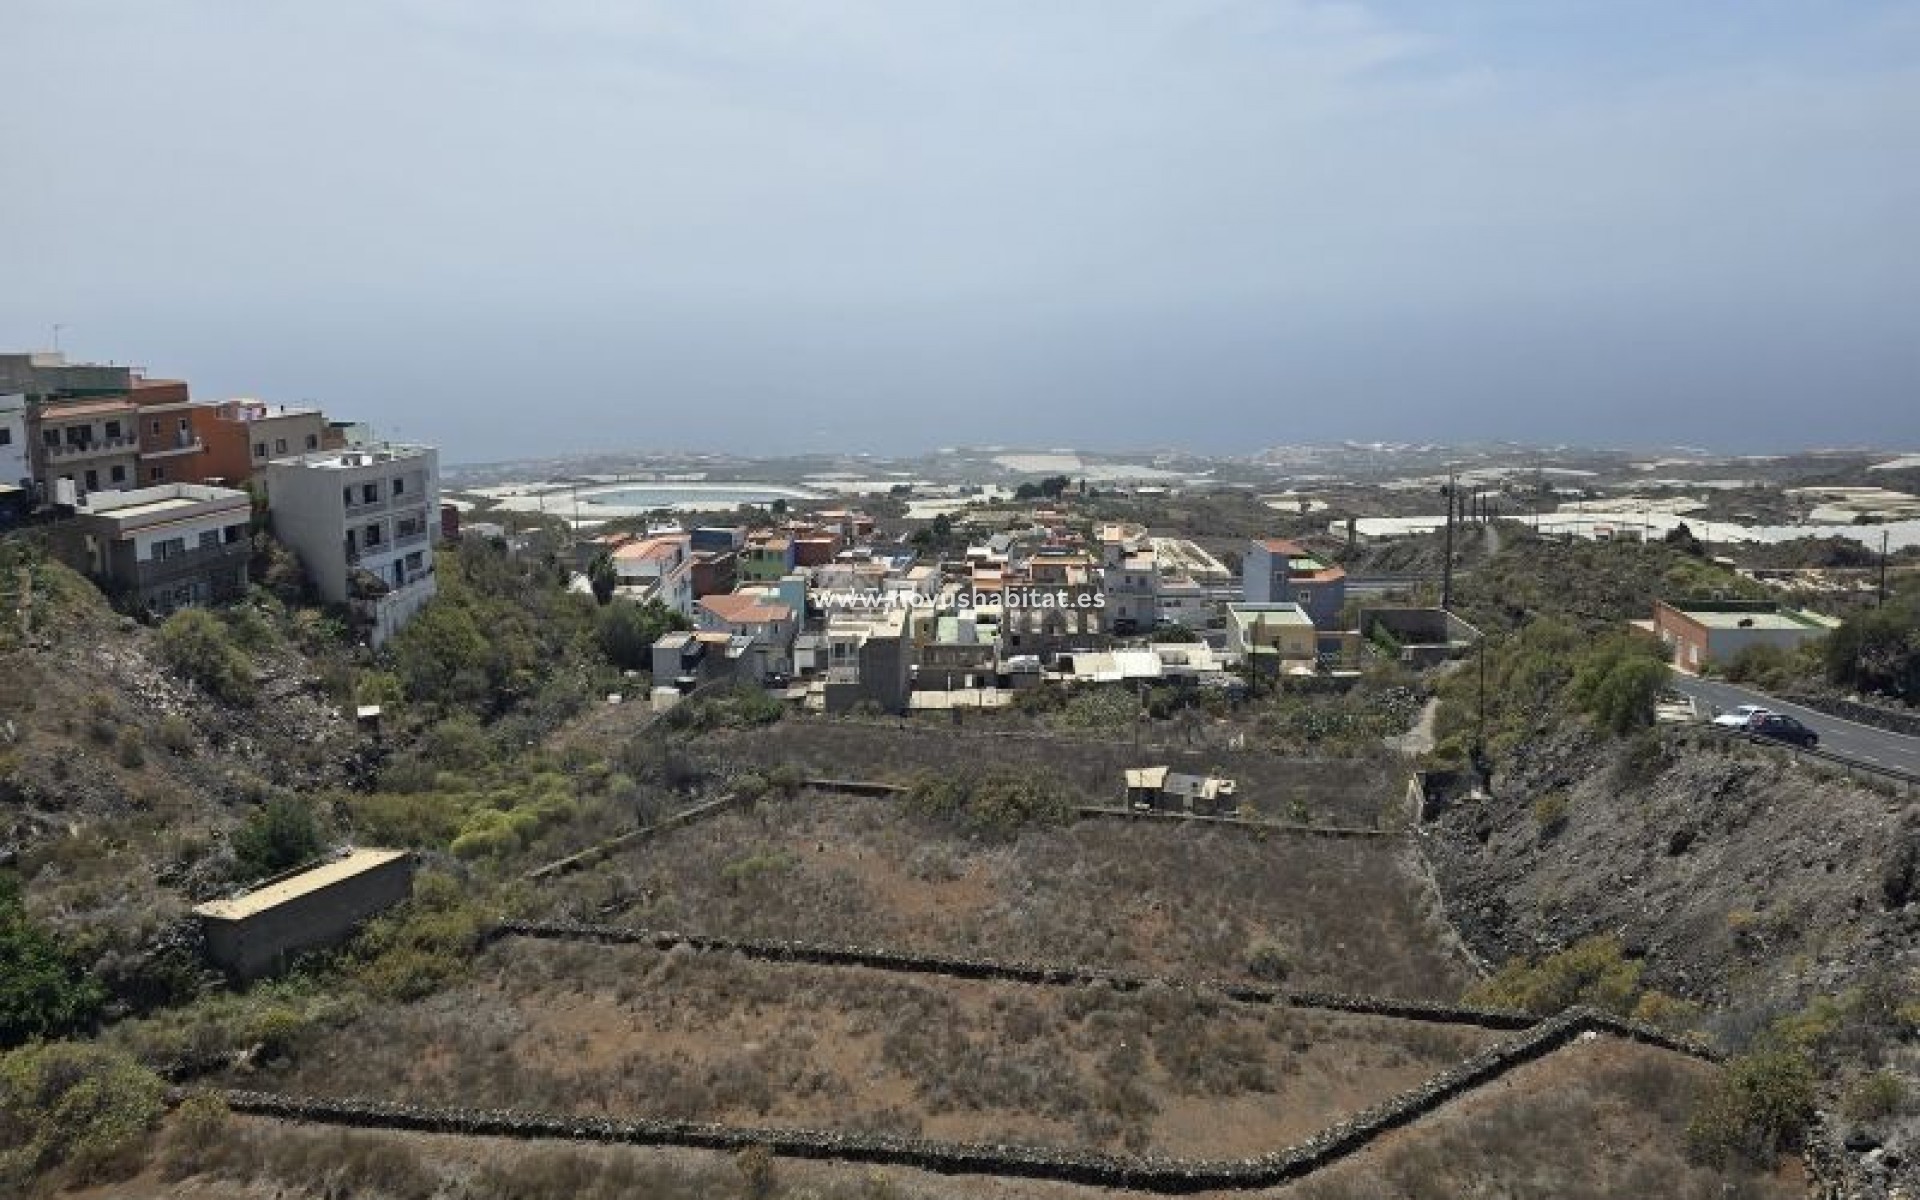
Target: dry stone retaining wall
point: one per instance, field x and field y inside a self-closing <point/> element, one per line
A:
<point x="1156" y="1174"/>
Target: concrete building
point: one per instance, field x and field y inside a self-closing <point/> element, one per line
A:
<point x="869" y="660"/>
<point x="16" y="456"/>
<point x="91" y="445"/>
<point x="1163" y="789"/>
<point x="45" y="377"/>
<point x="1702" y="633"/>
<point x="242" y="436"/>
<point x="170" y="447"/>
<point x="363" y="524"/>
<point x="1277" y="571"/>
<point x="1132" y="578"/>
<point x="755" y="616"/>
<point x="765" y="558"/>
<point x="162" y="548"/>
<point x="1279" y="637"/>
<point x="955" y="649"/>
<point x="260" y="932"/>
<point x="657" y="568"/>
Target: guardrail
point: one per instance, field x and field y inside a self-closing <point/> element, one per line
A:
<point x="1908" y="780"/>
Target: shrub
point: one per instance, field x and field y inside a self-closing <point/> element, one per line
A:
<point x="132" y="751"/>
<point x="1550" y="813"/>
<point x="415" y="950"/>
<point x="1872" y="1096"/>
<point x="174" y="735"/>
<point x="195" y="645"/>
<point x="79" y="1110"/>
<point x="280" y="834"/>
<point x="993" y="802"/>
<point x="1269" y="962"/>
<point x="1593" y="972"/>
<point x="42" y="991"/>
<point x="200" y="1124"/>
<point x="1617" y="683"/>
<point x="755" y="1164"/>
<point x="1758" y="1107"/>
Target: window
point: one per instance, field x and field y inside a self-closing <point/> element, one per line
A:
<point x="93" y="480"/>
<point x="415" y="561"/>
<point x="1304" y="596"/>
<point x="209" y="539"/>
<point x="155" y="426"/>
<point x="399" y="487"/>
<point x="170" y="548"/>
<point x="259" y="449"/>
<point x="370" y="493"/>
<point x="6" y="437"/>
<point x="119" y="474"/>
<point x="279" y="445"/>
<point x="235" y="533"/>
<point x="346" y="496"/>
<point x="373" y="535"/>
<point x="313" y="441"/>
<point x="113" y="429"/>
<point x="155" y="474"/>
<point x="185" y="425"/>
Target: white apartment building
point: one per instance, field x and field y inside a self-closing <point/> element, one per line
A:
<point x="16" y="457"/>
<point x="363" y="523"/>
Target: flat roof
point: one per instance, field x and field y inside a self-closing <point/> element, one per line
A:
<point x="1753" y="620"/>
<point x="304" y="884"/>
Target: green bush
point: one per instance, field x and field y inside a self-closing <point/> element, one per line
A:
<point x="42" y="991"/>
<point x="1594" y="972"/>
<point x="280" y="834"/>
<point x="626" y="632"/>
<point x="1618" y="682"/>
<point x="80" y="1113"/>
<point x="1550" y="811"/>
<point x="131" y="750"/>
<point x="990" y="802"/>
<point x="1758" y="1108"/>
<point x="423" y="945"/>
<point x="194" y="644"/>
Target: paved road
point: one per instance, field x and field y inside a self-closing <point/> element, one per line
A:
<point x="1861" y="743"/>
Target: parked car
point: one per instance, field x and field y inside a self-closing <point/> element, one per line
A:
<point x="1741" y="717"/>
<point x="1782" y="728"/>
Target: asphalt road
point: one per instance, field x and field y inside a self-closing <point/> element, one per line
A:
<point x="1849" y="739"/>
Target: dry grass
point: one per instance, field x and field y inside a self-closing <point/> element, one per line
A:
<point x="626" y="1031"/>
<point x="1602" y="1118"/>
<point x="1329" y="792"/>
<point x="1183" y="900"/>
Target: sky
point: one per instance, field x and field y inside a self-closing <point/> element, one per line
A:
<point x="885" y="226"/>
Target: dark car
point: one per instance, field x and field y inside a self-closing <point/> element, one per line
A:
<point x="1781" y="728"/>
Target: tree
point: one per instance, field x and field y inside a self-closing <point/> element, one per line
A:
<point x="627" y="632"/>
<point x="602" y="577"/>
<point x="439" y="647"/>
<point x="1618" y="682"/>
<point x="1878" y="649"/>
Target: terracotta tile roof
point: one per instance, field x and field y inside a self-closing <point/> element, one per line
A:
<point x="740" y="608"/>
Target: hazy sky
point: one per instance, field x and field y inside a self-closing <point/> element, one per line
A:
<point x="889" y="225"/>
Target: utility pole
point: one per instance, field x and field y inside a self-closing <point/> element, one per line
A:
<point x="1883" y="567"/>
<point x="1446" y="566"/>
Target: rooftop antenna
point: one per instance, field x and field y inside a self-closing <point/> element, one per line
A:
<point x="57" y="327"/>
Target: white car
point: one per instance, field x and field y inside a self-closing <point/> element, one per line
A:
<point x="1737" y="718"/>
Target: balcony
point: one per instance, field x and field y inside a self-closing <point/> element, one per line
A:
<point x="67" y="452"/>
<point x="182" y="442"/>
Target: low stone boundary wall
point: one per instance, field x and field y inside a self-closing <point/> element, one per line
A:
<point x="1330" y="831"/>
<point x="953" y="967"/>
<point x="1154" y="1174"/>
<point x="600" y="850"/>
